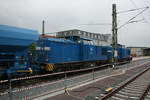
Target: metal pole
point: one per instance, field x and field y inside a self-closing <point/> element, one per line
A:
<point x="114" y="34"/>
<point x="10" y="87"/>
<point x="43" y="28"/>
<point x="65" y="79"/>
<point x="93" y="73"/>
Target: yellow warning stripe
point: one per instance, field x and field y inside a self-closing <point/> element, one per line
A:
<point x="49" y="67"/>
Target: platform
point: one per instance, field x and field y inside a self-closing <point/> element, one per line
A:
<point x="96" y="87"/>
<point x="140" y="58"/>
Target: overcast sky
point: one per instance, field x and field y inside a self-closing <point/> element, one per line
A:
<point x="73" y="14"/>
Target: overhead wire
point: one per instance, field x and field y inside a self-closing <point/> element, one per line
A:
<point x="133" y="18"/>
<point x="129" y="10"/>
<point x="135" y="6"/>
<point x="135" y="21"/>
<point x="98" y="24"/>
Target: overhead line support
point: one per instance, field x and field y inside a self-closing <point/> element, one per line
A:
<point x="114" y="34"/>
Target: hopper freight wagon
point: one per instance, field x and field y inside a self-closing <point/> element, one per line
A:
<point x="14" y="43"/>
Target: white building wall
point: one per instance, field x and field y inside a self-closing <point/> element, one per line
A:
<point x="98" y="39"/>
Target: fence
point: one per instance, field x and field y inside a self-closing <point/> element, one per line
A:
<point x="36" y="90"/>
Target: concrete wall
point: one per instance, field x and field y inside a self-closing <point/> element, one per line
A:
<point x="137" y="51"/>
<point x="146" y="52"/>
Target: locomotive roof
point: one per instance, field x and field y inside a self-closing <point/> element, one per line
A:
<point x="59" y="40"/>
<point x="69" y="40"/>
<point x="79" y="37"/>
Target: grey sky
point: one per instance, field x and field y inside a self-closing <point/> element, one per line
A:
<point x="71" y="14"/>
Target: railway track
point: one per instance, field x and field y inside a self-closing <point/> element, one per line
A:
<point x="135" y="88"/>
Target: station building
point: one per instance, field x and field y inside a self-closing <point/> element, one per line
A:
<point x="97" y="38"/>
<point x="139" y="51"/>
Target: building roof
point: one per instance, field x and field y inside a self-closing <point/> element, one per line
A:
<point x="76" y="32"/>
<point x="138" y="47"/>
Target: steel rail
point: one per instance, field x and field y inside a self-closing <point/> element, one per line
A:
<point x="145" y="92"/>
<point x="124" y="84"/>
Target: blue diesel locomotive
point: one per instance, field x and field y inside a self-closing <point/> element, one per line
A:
<point x="75" y="52"/>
